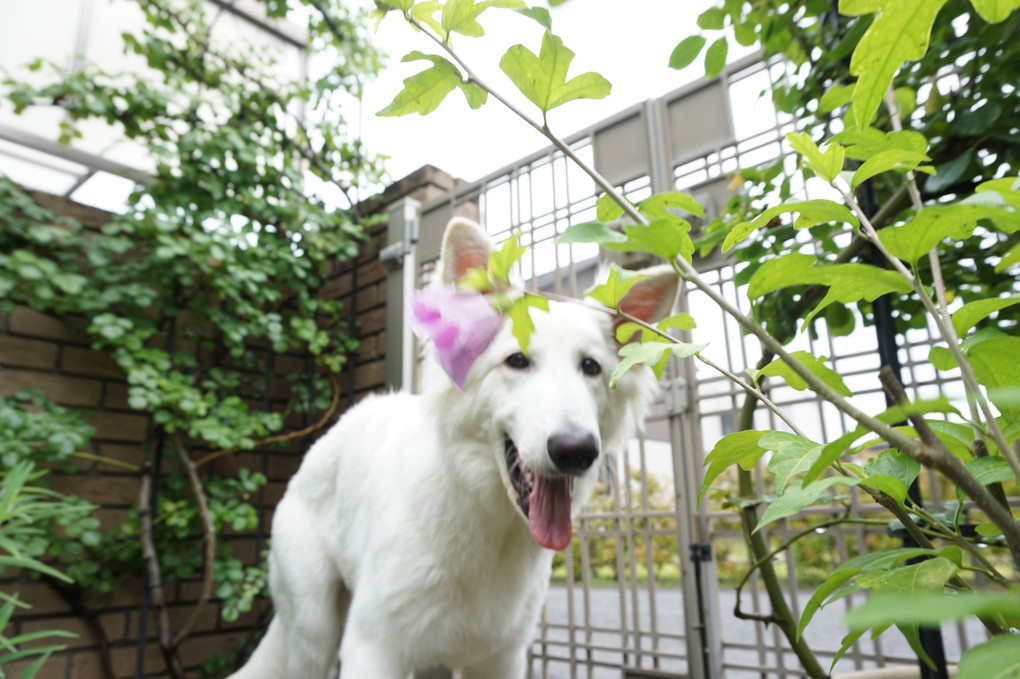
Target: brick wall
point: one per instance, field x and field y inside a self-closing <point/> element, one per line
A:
<point x="53" y="355"/>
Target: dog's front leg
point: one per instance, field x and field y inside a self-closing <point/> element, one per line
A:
<point x="361" y="658"/>
<point x="506" y="664"/>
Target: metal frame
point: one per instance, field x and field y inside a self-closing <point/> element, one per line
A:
<point x="650" y="631"/>
<point x="248" y="10"/>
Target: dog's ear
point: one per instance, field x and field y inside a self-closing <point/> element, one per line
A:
<point x="651" y="299"/>
<point x="465" y="247"/>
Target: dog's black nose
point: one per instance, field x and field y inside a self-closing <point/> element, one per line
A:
<point x="573" y="452"/>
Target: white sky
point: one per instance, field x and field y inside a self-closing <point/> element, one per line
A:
<point x="627" y="42"/>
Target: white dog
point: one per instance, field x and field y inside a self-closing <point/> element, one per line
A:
<point x="412" y="535"/>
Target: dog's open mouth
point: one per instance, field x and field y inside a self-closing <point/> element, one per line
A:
<point x="544" y="500"/>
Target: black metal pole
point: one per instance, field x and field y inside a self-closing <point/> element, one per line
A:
<point x="885" y="331"/>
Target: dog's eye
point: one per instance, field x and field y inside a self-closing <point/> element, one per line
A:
<point x="517" y="361"/>
<point x="590" y="367"/>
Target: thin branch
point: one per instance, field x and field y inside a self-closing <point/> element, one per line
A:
<point x="933" y="454"/>
<point x="209" y="530"/>
<point x="154" y="578"/>
<point x="279" y="438"/>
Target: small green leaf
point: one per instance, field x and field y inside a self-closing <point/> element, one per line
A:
<point x="461" y="16"/>
<point x="926" y="607"/>
<point x="715" y="57"/>
<point x="836" y="580"/>
<point x="616" y="286"/>
<point x="666" y="237"/>
<point x="737" y="448"/>
<point x="997" y="658"/>
<point x="949" y="173"/>
<point x="826" y="165"/>
<point x="894" y="159"/>
<point x="834" y="97"/>
<point x="793" y="455"/>
<point x="967" y="316"/>
<point x="425" y="91"/>
<point x="899" y="33"/>
<point x="502" y="261"/>
<point x="779" y="368"/>
<point x="607" y="209"/>
<point x="994" y="11"/>
<point x="591" y="232"/>
<point x="654" y="354"/>
<point x="659" y="205"/>
<point x="712" y="19"/>
<point x="798" y="496"/>
<point x="682" y="321"/>
<point x="520" y="318"/>
<point x="539" y="14"/>
<point x="543" y="78"/>
<point x="991" y="469"/>
<point x="686" y="51"/>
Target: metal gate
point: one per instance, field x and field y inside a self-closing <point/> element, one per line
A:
<point x="639" y="593"/>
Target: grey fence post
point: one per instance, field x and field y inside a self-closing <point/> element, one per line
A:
<point x="401" y="263"/>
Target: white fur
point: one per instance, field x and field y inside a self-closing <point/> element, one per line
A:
<point x="399" y="532"/>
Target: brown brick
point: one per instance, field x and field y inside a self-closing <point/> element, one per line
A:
<point x="132" y="454"/>
<point x="27" y="353"/>
<point x="101" y="490"/>
<point x="282" y="467"/>
<point x="115" y="396"/>
<point x="111" y="518"/>
<point x="68" y="391"/>
<point x="25" y="321"/>
<point x="370" y="375"/>
<point x="120" y="426"/>
<point x="86" y="665"/>
<point x="371" y="273"/>
<point x="372" y="321"/>
<point x="82" y="361"/>
<point x="196" y="649"/>
<point x="54" y="668"/>
<point x="115" y="625"/>
<point x="124" y="659"/>
<point x="74" y="625"/>
<point x="40" y="597"/>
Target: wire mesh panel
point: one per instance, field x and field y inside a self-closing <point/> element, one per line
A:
<point x="649" y="586"/>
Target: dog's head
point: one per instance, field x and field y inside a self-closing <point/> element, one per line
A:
<point x="550" y="416"/>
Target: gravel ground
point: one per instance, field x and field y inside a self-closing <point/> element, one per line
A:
<point x="823" y="634"/>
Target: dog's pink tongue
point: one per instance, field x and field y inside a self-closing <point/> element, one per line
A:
<point x="549" y="513"/>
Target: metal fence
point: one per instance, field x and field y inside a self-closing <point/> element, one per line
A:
<point x="664" y="606"/>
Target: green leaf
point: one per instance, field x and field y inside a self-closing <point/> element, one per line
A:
<point x="899" y="33"/>
<point x="591" y="232"/>
<point x="607" y="209"/>
<point x="779" y="368"/>
<point x="425" y="91"/>
<point x="994" y="11"/>
<point x="502" y="261"/>
<point x="908" y="606"/>
<point x="848" y="283"/>
<point x="834" y="97"/>
<point x="520" y="318"/>
<point x="461" y="16"/>
<point x="712" y="19"/>
<point x="616" y="286"/>
<point x="658" y="206"/>
<point x="998" y="658"/>
<point x="792" y="455"/>
<point x="798" y="496"/>
<point x="949" y="173"/>
<point x="996" y="363"/>
<point x="826" y="165"/>
<point x="654" y="354"/>
<point x="896" y="465"/>
<point x="666" y="237"/>
<point x="812" y="213"/>
<point x="682" y="321"/>
<point x="539" y="14"/>
<point x="543" y="78"/>
<point x="715" y="57"/>
<point x="836" y="580"/>
<point x="894" y="159"/>
<point x="929" y="575"/>
<point x="686" y="51"/>
<point x="889" y="485"/>
<point x="737" y="448"/>
<point x="991" y="469"/>
<point x="967" y="316"/>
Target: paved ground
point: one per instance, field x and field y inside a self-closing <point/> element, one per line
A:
<point x="825" y="633"/>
